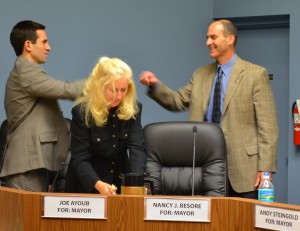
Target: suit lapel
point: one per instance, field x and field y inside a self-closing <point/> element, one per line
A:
<point x="236" y="76"/>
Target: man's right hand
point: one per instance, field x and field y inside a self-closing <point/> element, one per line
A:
<point x="147" y="78"/>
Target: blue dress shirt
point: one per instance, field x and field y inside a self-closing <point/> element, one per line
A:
<point x="226" y="68"/>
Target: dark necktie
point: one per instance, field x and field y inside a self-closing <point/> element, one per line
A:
<point x="216" y="115"/>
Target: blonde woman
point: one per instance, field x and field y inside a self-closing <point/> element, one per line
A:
<point x="106" y="131"/>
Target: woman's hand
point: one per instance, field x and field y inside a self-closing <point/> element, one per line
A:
<point x="106" y="189"/>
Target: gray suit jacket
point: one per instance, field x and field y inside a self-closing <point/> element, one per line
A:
<point x="38" y="136"/>
<point x="249" y="119"/>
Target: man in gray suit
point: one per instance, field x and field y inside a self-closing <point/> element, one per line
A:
<point x="248" y="115"/>
<point x="38" y="136"/>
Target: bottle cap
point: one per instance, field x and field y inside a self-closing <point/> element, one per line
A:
<point x="266" y="175"/>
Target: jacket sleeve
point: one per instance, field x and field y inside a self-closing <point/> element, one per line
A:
<point x="35" y="81"/>
<point x="170" y="99"/>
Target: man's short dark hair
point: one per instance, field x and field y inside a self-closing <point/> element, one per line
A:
<point x="230" y="29"/>
<point x="23" y="31"/>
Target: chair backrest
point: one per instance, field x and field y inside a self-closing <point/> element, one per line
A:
<point x="58" y="184"/>
<point x="3" y="142"/>
<point x="170" y="150"/>
<point x="3" y="136"/>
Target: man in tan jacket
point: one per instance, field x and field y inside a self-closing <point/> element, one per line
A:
<point x="38" y="137"/>
<point x="248" y="115"/>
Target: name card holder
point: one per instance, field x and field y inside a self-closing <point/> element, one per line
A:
<point x="80" y="207"/>
<point x="177" y="209"/>
<point x="268" y="217"/>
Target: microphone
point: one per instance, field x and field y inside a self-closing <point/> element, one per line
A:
<point x="194" y="156"/>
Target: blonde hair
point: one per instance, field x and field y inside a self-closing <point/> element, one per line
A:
<point x="95" y="107"/>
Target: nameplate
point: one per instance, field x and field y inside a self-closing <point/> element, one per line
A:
<point x="173" y="209"/>
<point x="80" y="207"/>
<point x="274" y="218"/>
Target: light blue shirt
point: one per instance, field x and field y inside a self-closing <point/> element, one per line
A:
<point x="226" y="68"/>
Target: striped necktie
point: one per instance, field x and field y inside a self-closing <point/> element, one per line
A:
<point x="216" y="115"/>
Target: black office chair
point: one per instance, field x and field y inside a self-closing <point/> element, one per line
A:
<point x="3" y="142"/>
<point x="170" y="150"/>
<point x="58" y="184"/>
<point x="3" y="136"/>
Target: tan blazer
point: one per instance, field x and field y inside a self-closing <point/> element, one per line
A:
<point x="249" y="119"/>
<point x="38" y="136"/>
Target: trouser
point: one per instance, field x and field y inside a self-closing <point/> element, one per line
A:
<point x="37" y="180"/>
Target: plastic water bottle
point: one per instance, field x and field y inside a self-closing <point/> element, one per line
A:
<point x="266" y="189"/>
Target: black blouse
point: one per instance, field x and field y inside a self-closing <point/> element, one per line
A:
<point x="103" y="153"/>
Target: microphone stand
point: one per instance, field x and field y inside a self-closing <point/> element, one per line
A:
<point x="194" y="156"/>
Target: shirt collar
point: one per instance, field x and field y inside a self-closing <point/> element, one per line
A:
<point x="226" y="68"/>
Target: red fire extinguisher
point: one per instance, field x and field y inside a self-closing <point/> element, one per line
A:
<point x="296" y="121"/>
